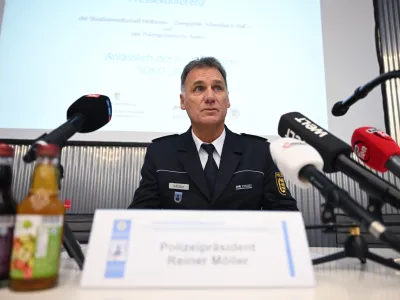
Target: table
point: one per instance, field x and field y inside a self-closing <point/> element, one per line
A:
<point x="344" y="280"/>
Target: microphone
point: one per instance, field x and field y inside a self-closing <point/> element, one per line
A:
<point x="376" y="149"/>
<point x="336" y="156"/>
<point x="87" y="114"/>
<point x="302" y="164"/>
<point x="340" y="108"/>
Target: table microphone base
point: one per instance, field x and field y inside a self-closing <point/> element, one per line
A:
<point x="72" y="246"/>
<point x="355" y="246"/>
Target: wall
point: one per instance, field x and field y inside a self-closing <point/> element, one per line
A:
<point x="350" y="58"/>
<point x="106" y="176"/>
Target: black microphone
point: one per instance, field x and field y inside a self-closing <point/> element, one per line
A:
<point x="336" y="156"/>
<point x="340" y="108"/>
<point x="87" y="114"/>
<point x="302" y="165"/>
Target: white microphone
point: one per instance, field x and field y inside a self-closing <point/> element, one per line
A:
<point x="302" y="164"/>
<point x="292" y="155"/>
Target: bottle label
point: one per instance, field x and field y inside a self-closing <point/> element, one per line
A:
<point x="6" y="233"/>
<point x="36" y="246"/>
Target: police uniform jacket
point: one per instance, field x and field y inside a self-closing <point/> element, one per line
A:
<point x="173" y="177"/>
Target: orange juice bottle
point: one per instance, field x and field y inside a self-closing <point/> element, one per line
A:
<point x="38" y="228"/>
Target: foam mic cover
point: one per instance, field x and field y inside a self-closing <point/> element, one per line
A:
<point x="374" y="147"/>
<point x="296" y="125"/>
<point x="95" y="109"/>
<point x="291" y="155"/>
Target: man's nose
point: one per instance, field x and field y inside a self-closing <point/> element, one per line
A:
<point x="209" y="95"/>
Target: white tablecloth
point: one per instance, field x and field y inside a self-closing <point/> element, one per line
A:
<point x="340" y="280"/>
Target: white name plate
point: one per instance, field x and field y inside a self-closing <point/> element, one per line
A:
<point x="182" y="249"/>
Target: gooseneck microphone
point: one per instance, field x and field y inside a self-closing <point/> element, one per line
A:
<point x="376" y="149"/>
<point x="336" y="156"/>
<point x="302" y="164"/>
<point x="340" y="108"/>
<point x="88" y="113"/>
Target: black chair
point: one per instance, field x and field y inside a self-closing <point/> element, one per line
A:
<point x="81" y="225"/>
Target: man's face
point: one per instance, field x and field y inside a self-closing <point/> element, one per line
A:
<point x="205" y="97"/>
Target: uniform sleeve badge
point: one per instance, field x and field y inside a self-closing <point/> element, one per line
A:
<point x="280" y="183"/>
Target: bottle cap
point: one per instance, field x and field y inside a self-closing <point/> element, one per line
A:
<point x="6" y="150"/>
<point x="47" y="150"/>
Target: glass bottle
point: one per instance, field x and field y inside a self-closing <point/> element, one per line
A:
<point x="39" y="228"/>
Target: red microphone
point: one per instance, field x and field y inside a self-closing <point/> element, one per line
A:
<point x="376" y="149"/>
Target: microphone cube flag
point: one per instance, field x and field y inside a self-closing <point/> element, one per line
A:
<point x="291" y="155"/>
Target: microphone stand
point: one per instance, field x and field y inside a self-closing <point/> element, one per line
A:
<point x="375" y="207"/>
<point x="70" y="243"/>
<point x="355" y="245"/>
<point x="340" y="108"/>
<point x="328" y="217"/>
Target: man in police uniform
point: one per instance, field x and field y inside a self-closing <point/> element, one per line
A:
<point x="209" y="166"/>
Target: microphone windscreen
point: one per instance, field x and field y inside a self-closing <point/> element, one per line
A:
<point x="295" y="125"/>
<point x="291" y="155"/>
<point x="96" y="110"/>
<point x="374" y="147"/>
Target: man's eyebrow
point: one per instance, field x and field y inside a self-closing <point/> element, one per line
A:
<point x="219" y="82"/>
<point x="198" y="82"/>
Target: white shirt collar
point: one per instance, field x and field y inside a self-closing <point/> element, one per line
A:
<point x="218" y="143"/>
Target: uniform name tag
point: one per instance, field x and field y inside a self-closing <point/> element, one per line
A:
<point x="178" y="186"/>
<point x="244" y="187"/>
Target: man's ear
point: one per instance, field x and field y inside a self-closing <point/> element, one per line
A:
<point x="182" y="99"/>
<point x="228" y="102"/>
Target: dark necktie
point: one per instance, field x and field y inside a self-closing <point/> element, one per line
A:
<point x="211" y="168"/>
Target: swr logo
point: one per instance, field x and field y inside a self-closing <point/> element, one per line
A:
<point x="288" y="145"/>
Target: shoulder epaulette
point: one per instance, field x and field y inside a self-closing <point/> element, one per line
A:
<point x="164" y="137"/>
<point x="254" y="136"/>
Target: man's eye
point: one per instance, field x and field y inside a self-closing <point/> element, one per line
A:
<point x="218" y="88"/>
<point x="198" y="88"/>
